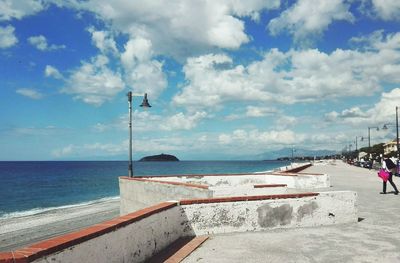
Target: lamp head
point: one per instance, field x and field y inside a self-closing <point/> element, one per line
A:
<point x="385" y="127"/>
<point x="129" y="94"/>
<point x="145" y="102"/>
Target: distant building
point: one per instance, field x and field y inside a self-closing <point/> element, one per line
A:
<point x="362" y="155"/>
<point x="390" y="147"/>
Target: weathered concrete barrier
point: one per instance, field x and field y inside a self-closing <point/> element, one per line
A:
<point x="140" y="192"/>
<point x="138" y="236"/>
<point x="238" y="214"/>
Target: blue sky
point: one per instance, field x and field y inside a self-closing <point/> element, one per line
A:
<point x="227" y="79"/>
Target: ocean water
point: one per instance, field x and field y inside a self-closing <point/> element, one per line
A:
<point x="28" y="188"/>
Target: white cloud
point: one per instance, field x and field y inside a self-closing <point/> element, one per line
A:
<point x="51" y="71"/>
<point x="308" y="18"/>
<point x="65" y="151"/>
<point x="181" y="121"/>
<point x="180" y="28"/>
<point x="141" y="146"/>
<point x="284" y="122"/>
<point x="30" y="93"/>
<point x="290" y="77"/>
<point x="141" y="72"/>
<point x="253" y="111"/>
<point x="146" y="121"/>
<point x="387" y="9"/>
<point x="255" y="139"/>
<point x="40" y="42"/>
<point x="378" y="41"/>
<point x="94" y="83"/>
<point x="104" y="41"/>
<point x="7" y="37"/>
<point x="10" y="9"/>
<point x="380" y="113"/>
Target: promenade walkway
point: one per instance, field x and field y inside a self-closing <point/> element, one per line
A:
<point x="375" y="238"/>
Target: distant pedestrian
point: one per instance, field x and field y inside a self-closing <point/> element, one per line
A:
<point x="390" y="167"/>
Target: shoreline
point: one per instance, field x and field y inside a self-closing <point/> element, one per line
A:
<point x="16" y="232"/>
<point x="18" y="229"/>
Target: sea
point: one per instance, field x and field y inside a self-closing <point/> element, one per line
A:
<point x="32" y="187"/>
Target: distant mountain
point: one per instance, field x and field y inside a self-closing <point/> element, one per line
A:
<point x="287" y="152"/>
<point x="159" y="158"/>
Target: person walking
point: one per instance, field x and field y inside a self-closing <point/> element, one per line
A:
<point x="390" y="167"/>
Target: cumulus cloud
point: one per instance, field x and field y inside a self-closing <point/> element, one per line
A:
<point x="180" y="28"/>
<point x="377" y="40"/>
<point x="40" y="42"/>
<point x="284" y="122"/>
<point x="382" y="112"/>
<point x="146" y="121"/>
<point x="181" y="121"/>
<point x="308" y="18"/>
<point x="94" y="82"/>
<point x="103" y="40"/>
<point x="253" y="112"/>
<point x="7" y="37"/>
<point x="30" y="93"/>
<point x="17" y="9"/>
<point x="51" y="71"/>
<point x="142" y="72"/>
<point x="255" y="139"/>
<point x="387" y="9"/>
<point x="141" y="146"/>
<point x="290" y="77"/>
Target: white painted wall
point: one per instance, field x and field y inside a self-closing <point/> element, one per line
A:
<point x="301" y="181"/>
<point x="136" y="195"/>
<point x="247" y="190"/>
<point x="133" y="243"/>
<point x="326" y="209"/>
<point x="142" y="239"/>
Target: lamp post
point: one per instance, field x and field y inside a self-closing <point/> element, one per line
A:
<point x="397" y="139"/>
<point x="356" y="141"/>
<point x="369" y="135"/>
<point x="397" y="136"/>
<point x="145" y="104"/>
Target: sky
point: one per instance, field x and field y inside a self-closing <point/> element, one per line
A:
<point x="227" y="79"/>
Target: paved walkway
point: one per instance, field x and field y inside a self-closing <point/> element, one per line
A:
<point x="375" y="238"/>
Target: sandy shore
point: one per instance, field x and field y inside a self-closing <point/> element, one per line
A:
<point x="375" y="238"/>
<point x="20" y="231"/>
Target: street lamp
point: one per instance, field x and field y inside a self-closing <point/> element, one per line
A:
<point x="369" y="135"/>
<point x="145" y="104"/>
<point x="397" y="135"/>
<point x="356" y="141"/>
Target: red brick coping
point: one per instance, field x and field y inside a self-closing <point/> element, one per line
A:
<point x="142" y="179"/>
<point x="244" y="198"/>
<point x="269" y="185"/>
<point x="290" y="172"/>
<point x="178" y="250"/>
<point x="298" y="169"/>
<point x="49" y="246"/>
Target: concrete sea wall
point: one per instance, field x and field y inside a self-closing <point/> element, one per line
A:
<point x="140" y="235"/>
<point x="137" y="193"/>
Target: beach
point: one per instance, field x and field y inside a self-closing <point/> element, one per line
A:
<point x="20" y="231"/>
<point x="80" y="194"/>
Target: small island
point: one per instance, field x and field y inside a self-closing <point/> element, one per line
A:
<point x="159" y="158"/>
